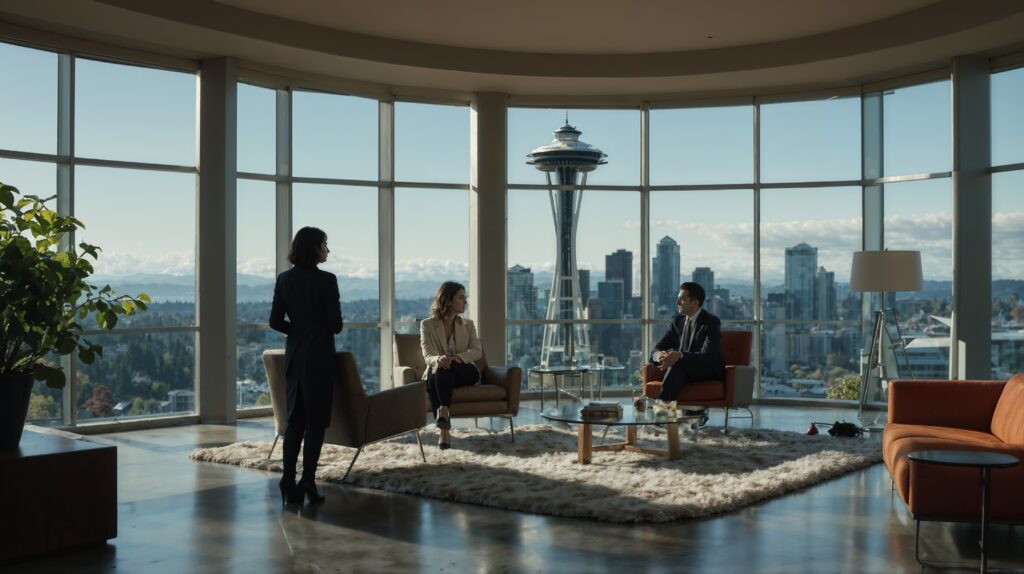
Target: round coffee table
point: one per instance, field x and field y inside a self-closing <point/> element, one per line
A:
<point x="983" y="460"/>
<point x="630" y="419"/>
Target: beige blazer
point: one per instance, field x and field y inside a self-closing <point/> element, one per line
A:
<point x="433" y="342"/>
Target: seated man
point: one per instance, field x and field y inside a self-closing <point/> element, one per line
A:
<point x="689" y="350"/>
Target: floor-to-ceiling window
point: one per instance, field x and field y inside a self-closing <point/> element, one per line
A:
<point x="810" y="225"/>
<point x="28" y="125"/>
<point x="701" y="212"/>
<point x="607" y="247"/>
<point x="1007" y="223"/>
<point x="431" y="207"/>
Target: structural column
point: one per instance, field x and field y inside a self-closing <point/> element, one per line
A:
<point x="487" y="220"/>
<point x="215" y="238"/>
<point x="971" y="336"/>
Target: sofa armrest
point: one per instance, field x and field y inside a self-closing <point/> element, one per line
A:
<point x="959" y="404"/>
<point x="651" y="373"/>
<point x="511" y="378"/>
<point x="395" y="411"/>
<point x="404" y="376"/>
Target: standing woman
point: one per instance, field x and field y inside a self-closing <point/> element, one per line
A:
<point x="450" y="347"/>
<point x="309" y="298"/>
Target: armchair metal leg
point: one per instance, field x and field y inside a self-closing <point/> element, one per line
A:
<point x="512" y="427"/>
<point x="351" y="464"/>
<point x="276" y="436"/>
<point x="420" y="443"/>
<point x="726" y="429"/>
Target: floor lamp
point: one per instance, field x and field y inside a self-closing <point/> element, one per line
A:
<point x="882" y="272"/>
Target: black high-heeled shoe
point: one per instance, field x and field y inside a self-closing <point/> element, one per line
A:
<point x="443" y="423"/>
<point x="289" y="492"/>
<point x="308" y="489"/>
<point x="444" y="445"/>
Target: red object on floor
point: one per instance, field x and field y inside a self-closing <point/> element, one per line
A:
<point x="813" y="430"/>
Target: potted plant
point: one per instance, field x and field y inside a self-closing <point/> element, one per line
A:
<point x="46" y="298"/>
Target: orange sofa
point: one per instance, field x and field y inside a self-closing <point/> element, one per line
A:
<point x="956" y="415"/>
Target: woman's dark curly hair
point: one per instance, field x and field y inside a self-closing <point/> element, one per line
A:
<point x="305" y="249"/>
<point x="441" y="308"/>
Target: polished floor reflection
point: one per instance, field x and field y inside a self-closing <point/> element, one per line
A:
<point x="176" y="515"/>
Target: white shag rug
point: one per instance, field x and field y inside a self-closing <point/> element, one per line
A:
<point x="539" y="472"/>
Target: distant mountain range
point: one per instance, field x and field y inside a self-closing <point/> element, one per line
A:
<point x="257" y="288"/>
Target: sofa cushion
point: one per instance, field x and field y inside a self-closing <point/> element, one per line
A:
<point x="897" y="437"/>
<point x="1008" y="418"/>
<point x="477" y="393"/>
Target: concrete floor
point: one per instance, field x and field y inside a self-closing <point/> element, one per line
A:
<point x="175" y="515"/>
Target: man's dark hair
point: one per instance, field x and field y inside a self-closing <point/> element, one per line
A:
<point x="694" y="290"/>
<point x="305" y="249"/>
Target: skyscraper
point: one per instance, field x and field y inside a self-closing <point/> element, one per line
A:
<point x="705" y="277"/>
<point x="665" y="276"/>
<point x="568" y="158"/>
<point x="824" y="295"/>
<point x="610" y="294"/>
<point x="619" y="266"/>
<point x="522" y="295"/>
<point x="522" y="305"/>
<point x="801" y="264"/>
<point x="584" y="275"/>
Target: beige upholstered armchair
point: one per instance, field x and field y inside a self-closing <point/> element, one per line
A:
<point x="497" y="395"/>
<point x="357" y="419"/>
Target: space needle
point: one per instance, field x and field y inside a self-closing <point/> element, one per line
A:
<point x="567" y="158"/>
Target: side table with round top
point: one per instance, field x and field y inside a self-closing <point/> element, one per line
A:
<point x="986" y="461"/>
<point x="631" y="419"/>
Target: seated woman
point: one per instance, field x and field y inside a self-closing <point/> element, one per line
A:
<point x="450" y="346"/>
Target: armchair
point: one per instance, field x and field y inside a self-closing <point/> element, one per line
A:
<point x="497" y="395"/>
<point x="735" y="392"/>
<point x="357" y="419"/>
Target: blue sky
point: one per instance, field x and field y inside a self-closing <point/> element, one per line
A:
<point x="145" y="220"/>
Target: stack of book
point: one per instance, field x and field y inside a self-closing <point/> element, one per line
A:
<point x="602" y="410"/>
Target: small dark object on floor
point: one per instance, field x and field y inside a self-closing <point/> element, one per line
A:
<point x="845" y="429"/>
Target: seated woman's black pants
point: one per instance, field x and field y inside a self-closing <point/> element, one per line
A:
<point x="441" y="384"/>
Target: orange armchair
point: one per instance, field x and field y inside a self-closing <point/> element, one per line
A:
<point x="735" y="392"/>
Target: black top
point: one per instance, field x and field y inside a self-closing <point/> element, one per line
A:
<point x="972" y="458"/>
<point x="309" y="298"/>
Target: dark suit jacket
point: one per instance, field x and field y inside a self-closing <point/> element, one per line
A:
<point x="309" y="298"/>
<point x="704" y="354"/>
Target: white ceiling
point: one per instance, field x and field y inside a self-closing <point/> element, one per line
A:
<point x="640" y="49"/>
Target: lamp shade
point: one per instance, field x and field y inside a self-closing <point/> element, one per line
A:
<point x="887" y="271"/>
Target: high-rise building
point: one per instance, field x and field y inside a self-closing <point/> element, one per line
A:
<point x="521" y="293"/>
<point x="566" y="161"/>
<point x="705" y="277"/>
<point x="801" y="264"/>
<point x="610" y="294"/>
<point x="584" y="275"/>
<point x="618" y="266"/>
<point x="665" y="276"/>
<point x="824" y="295"/>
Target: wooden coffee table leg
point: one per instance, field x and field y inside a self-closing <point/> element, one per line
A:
<point x="631" y="434"/>
<point x="673" y="442"/>
<point x="586" y="443"/>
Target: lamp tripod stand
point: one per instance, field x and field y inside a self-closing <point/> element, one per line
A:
<point x="876" y="360"/>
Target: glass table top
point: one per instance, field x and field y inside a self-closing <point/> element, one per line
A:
<point x="630" y="416"/>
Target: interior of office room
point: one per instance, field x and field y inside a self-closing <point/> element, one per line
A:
<point x="751" y="148"/>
